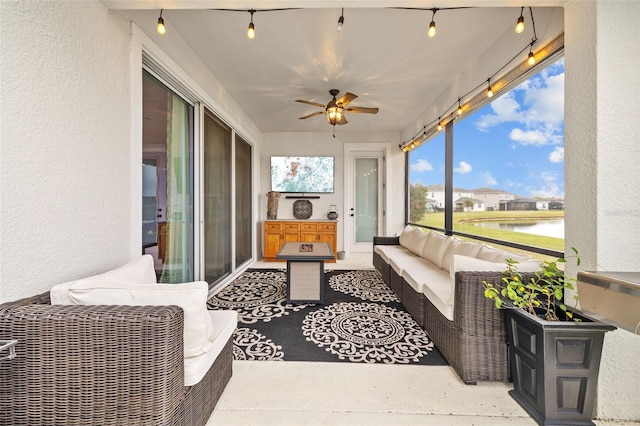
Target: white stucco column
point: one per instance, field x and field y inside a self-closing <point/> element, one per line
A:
<point x="602" y="176"/>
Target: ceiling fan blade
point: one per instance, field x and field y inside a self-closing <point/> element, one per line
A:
<point x="310" y="103"/>
<point x="343" y="120"/>
<point x="364" y="110"/>
<point x="346" y="98"/>
<point x="311" y="115"/>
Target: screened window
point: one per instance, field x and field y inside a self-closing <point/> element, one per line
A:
<point x="507" y="168"/>
<point x="426" y="183"/>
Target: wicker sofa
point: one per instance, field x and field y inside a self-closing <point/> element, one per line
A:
<point x="106" y="365"/>
<point x="450" y="304"/>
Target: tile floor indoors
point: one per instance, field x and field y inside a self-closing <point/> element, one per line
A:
<point x="315" y="393"/>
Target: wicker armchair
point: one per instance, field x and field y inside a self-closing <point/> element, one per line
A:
<point x="101" y="365"/>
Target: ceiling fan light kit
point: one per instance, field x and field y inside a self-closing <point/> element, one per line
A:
<point x="336" y="108"/>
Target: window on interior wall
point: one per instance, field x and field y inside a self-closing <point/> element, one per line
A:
<point x="426" y="201"/>
<point x="508" y="165"/>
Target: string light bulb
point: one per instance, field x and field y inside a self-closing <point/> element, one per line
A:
<point x="532" y="59"/>
<point x="489" y="89"/>
<point x="161" y="28"/>
<point x="520" y="23"/>
<point x="251" y="31"/>
<point x="439" y="124"/>
<point x="459" y="110"/>
<point x="340" y="21"/>
<point x="431" y="32"/>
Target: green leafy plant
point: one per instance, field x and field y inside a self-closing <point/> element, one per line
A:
<point x="543" y="294"/>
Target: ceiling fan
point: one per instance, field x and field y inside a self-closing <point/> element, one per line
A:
<point x="336" y="108"/>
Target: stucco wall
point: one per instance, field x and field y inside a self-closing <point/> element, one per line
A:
<point x="601" y="175"/>
<point x="64" y="164"/>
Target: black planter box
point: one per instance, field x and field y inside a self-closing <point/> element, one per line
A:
<point x="554" y="366"/>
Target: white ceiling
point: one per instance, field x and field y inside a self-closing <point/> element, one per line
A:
<point x="383" y="55"/>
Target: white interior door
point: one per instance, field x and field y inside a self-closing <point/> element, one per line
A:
<point x="365" y="199"/>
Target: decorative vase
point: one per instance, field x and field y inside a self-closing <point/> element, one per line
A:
<point x="272" y="204"/>
<point x="332" y="214"/>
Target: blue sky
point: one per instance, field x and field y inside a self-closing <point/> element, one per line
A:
<point x="515" y="143"/>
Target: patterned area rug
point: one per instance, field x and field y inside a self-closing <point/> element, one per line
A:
<point x="361" y="321"/>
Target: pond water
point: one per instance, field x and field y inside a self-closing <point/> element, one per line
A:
<point x="549" y="228"/>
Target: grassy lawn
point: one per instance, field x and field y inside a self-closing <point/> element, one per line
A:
<point x="464" y="222"/>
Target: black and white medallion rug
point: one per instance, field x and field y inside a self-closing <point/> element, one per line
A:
<point x="361" y="321"/>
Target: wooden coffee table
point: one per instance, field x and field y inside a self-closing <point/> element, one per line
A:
<point x="305" y="270"/>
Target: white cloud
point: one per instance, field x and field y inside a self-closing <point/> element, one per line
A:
<point x="421" y="165"/>
<point x="529" y="137"/>
<point x="548" y="186"/>
<point x="488" y="179"/>
<point x="463" y="168"/>
<point x="504" y="109"/>
<point x="557" y="155"/>
<point x="551" y="190"/>
<point x="537" y="105"/>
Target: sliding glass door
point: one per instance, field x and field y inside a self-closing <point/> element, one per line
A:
<point x="167" y="179"/>
<point x="243" y="190"/>
<point x="196" y="221"/>
<point x="217" y="198"/>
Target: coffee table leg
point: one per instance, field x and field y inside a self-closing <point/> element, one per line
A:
<point x="305" y="281"/>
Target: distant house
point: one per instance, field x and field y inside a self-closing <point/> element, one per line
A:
<point x="468" y="204"/>
<point x="519" y="204"/>
<point x="432" y="205"/>
<point x="436" y="193"/>
<point x="492" y="197"/>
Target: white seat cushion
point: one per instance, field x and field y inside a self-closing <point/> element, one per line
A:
<point x="224" y="324"/>
<point x="191" y="297"/>
<point x="400" y="261"/>
<point x="387" y="252"/>
<point x="433" y="283"/>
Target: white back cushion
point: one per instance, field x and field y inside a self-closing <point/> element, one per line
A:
<point x="435" y="248"/>
<point x="140" y="271"/>
<point x="418" y="241"/>
<point x="406" y="236"/>
<point x="491" y="254"/>
<point x="456" y="246"/>
<point x="191" y="297"/>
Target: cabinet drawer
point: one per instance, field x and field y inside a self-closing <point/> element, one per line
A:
<point x="272" y="226"/>
<point x="309" y="226"/>
<point x="291" y="226"/>
<point x="327" y="226"/>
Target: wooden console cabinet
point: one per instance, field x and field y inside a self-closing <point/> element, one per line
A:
<point x="279" y="232"/>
